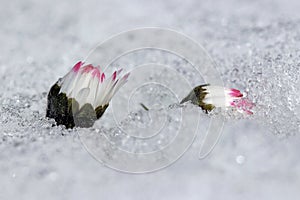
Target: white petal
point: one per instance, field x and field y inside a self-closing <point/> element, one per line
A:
<point x="217" y="101"/>
<point x="66" y="82"/>
<point x="82" y="81"/>
<point x="104" y="91"/>
<point x="216" y="90"/>
<point x="81" y="96"/>
<point x="119" y="84"/>
<point x="94" y="84"/>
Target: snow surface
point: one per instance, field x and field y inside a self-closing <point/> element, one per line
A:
<point x="255" y="45"/>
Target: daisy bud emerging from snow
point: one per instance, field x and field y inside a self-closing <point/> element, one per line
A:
<point x="208" y="97"/>
<point x="82" y="96"/>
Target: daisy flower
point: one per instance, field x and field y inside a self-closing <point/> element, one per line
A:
<point x="82" y="95"/>
<point x="209" y="97"/>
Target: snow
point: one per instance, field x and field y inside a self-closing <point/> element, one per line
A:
<point x="255" y="45"/>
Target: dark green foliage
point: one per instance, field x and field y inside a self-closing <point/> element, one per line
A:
<point x="100" y="110"/>
<point x="196" y="96"/>
<point x="66" y="111"/>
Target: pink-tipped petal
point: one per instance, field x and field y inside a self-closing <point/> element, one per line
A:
<point x="99" y="75"/>
<point x="248" y="112"/>
<point x="114" y="76"/>
<point x="119" y="71"/>
<point x="87" y="68"/>
<point x="244" y="105"/>
<point x="102" y="77"/>
<point x="77" y="66"/>
<point x="235" y="93"/>
<point x="96" y="72"/>
<point x="125" y="77"/>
